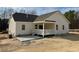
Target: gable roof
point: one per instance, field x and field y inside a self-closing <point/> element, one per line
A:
<point x="44" y="16"/>
<point x="24" y="17"/>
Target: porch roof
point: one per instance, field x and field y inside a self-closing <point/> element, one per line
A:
<point x="46" y="21"/>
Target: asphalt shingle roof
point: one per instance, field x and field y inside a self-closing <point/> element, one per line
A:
<point x="24" y="17"/>
<point x="44" y="16"/>
<point x="31" y="18"/>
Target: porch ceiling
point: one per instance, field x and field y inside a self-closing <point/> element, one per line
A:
<point x="44" y="21"/>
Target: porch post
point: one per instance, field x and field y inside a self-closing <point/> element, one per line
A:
<point x="43" y="29"/>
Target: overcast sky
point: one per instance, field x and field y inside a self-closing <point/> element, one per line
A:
<point x="43" y="10"/>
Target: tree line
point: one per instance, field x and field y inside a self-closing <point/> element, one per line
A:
<point x="73" y="17"/>
<point x="3" y="25"/>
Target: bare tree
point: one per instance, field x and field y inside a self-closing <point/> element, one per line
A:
<point x="22" y="11"/>
<point x="33" y="12"/>
<point x="10" y="12"/>
<point x="7" y="13"/>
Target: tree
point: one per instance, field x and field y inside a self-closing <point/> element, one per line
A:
<point x="33" y="12"/>
<point x="22" y="11"/>
<point x="7" y="13"/>
<point x="70" y="15"/>
<point x="10" y="11"/>
<point x="4" y="24"/>
<point x="0" y="24"/>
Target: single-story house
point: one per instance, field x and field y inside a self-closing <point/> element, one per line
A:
<point x="53" y="23"/>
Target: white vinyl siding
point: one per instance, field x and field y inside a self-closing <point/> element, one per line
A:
<point x="12" y="27"/>
<point x="60" y="20"/>
<point x="28" y="28"/>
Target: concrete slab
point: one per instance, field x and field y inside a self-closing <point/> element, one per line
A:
<point x="25" y="38"/>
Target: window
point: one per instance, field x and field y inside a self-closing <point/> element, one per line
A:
<point x="63" y="27"/>
<point x="35" y="26"/>
<point x="23" y="27"/>
<point x="40" y="26"/>
<point x="56" y="27"/>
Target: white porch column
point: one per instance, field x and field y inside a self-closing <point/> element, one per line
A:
<point x="43" y="29"/>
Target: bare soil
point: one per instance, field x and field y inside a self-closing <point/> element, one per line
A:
<point x="62" y="43"/>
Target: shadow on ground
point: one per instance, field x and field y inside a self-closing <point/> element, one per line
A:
<point x="71" y="36"/>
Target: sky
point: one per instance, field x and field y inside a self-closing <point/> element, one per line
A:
<point x="42" y="10"/>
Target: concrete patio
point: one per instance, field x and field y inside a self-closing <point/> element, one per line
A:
<point x="25" y="38"/>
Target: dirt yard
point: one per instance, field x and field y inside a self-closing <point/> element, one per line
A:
<point x="68" y="42"/>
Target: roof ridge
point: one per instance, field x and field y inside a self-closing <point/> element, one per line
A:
<point x="49" y="13"/>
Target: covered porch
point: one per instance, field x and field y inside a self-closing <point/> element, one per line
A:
<point x="44" y="28"/>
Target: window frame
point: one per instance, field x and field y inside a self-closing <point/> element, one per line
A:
<point x="36" y="27"/>
<point x="63" y="27"/>
<point x="56" y="27"/>
<point x="41" y="27"/>
<point x="23" y="27"/>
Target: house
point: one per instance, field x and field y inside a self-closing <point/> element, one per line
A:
<point x="54" y="23"/>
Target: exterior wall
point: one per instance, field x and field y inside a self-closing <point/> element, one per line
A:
<point x="60" y="20"/>
<point x="49" y="26"/>
<point x="28" y="28"/>
<point x="37" y="25"/>
<point x="46" y="25"/>
<point x="12" y="27"/>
